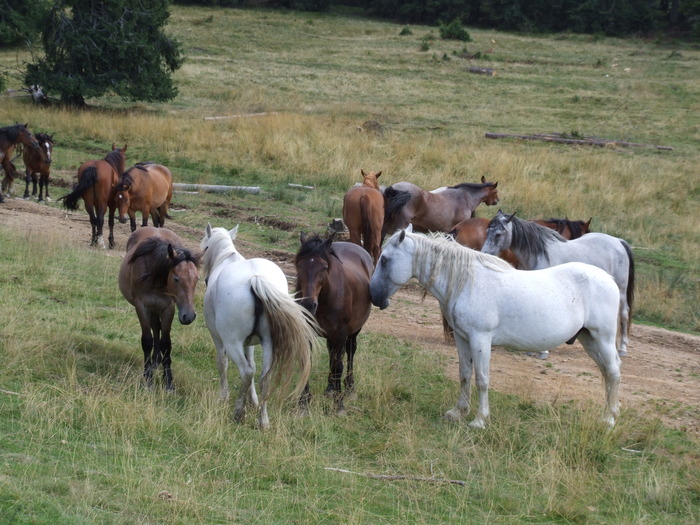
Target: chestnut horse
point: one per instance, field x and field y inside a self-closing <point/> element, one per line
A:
<point x="333" y="285"/>
<point x="437" y="210"/>
<point x="148" y="188"/>
<point x="10" y="136"/>
<point x="363" y="213"/>
<point x="96" y="182"/>
<point x="37" y="164"/>
<point x="156" y="275"/>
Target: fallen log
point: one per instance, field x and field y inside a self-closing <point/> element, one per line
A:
<point x="584" y="141"/>
<point x="215" y="188"/>
<point x="482" y="71"/>
<point x="241" y="115"/>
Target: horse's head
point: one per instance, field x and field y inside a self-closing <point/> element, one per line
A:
<point x="492" y="195"/>
<point x="215" y="242"/>
<point x="182" y="280"/>
<point x="45" y="145"/>
<point x="313" y="262"/>
<point x="123" y="196"/>
<point x="499" y="234"/>
<point x="25" y="136"/>
<point x="370" y="179"/>
<point x="394" y="268"/>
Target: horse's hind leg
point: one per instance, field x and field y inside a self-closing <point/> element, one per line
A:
<point x="252" y="394"/>
<point x="27" y="180"/>
<point x="624" y="324"/>
<point x="601" y="348"/>
<point x="43" y="188"/>
<point x="235" y="352"/>
<point x="350" y="348"/>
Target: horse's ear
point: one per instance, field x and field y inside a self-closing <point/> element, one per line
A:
<point x="495" y="185"/>
<point x="511" y="217"/>
<point x="379" y="173"/>
<point x="483" y="179"/>
<point x="363" y="172"/>
<point x="402" y="236"/>
<point x="232" y="233"/>
<point x="207" y="230"/>
<point x="171" y="251"/>
<point x="409" y="228"/>
<point x="124" y="148"/>
<point x="303" y="237"/>
<point x="114" y="146"/>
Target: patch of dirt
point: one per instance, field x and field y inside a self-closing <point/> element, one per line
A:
<point x="660" y="376"/>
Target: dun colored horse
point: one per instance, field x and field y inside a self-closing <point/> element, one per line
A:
<point x="148" y="188"/>
<point x="333" y="285"/>
<point x="37" y="163"/>
<point x="10" y="136"/>
<point x="437" y="210"/>
<point x="363" y="213"/>
<point x="96" y="182"/>
<point x="157" y="275"/>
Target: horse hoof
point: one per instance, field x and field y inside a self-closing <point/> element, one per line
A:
<point x="622" y="353"/>
<point x="478" y="423"/>
<point x="543" y="355"/>
<point x="453" y="415"/>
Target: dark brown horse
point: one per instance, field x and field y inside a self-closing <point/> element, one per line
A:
<point x="437" y="210"/>
<point x="96" y="183"/>
<point x="333" y="284"/>
<point x="37" y="164"/>
<point x="10" y="136"/>
<point x="147" y="188"/>
<point x="157" y="275"/>
<point x="363" y="213"/>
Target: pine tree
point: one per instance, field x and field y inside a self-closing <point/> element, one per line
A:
<point x="92" y="47"/>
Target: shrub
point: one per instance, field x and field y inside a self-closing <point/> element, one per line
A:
<point x="454" y="31"/>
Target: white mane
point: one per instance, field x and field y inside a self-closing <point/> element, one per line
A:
<point x="219" y="246"/>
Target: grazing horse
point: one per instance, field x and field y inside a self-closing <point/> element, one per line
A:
<point x="37" y="163"/>
<point x="333" y="285"/>
<point x="247" y="302"/>
<point x="437" y="210"/>
<point x="537" y="247"/>
<point x="488" y="302"/>
<point x="10" y="136"/>
<point x="156" y="275"/>
<point x="96" y="182"/>
<point x="363" y="213"/>
<point x="148" y="188"/>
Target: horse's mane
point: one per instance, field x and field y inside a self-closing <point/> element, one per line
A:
<point x="394" y="200"/>
<point x="219" y="247"/>
<point x="115" y="158"/>
<point x="161" y="263"/>
<point x="532" y="238"/>
<point x="125" y="180"/>
<point x="11" y="132"/>
<point x="471" y="186"/>
<point x="439" y="253"/>
<point x="315" y="246"/>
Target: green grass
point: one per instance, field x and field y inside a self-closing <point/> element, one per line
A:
<point x="83" y="442"/>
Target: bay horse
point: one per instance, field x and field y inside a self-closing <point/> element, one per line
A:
<point x="363" y="213"/>
<point x="10" y="136"/>
<point x="148" y="188"/>
<point x="96" y="186"/>
<point x="488" y="302"/>
<point x="437" y="210"/>
<point x="37" y="164"/>
<point x="538" y="247"/>
<point x="247" y="302"/>
<point x="333" y="285"/>
<point x="157" y="275"/>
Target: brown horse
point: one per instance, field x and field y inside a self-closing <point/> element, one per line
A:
<point x="148" y="188"/>
<point x="37" y="164"/>
<point x="156" y="275"/>
<point x="96" y="182"/>
<point x="363" y="213"/>
<point x="472" y="234"/>
<point x="10" y="136"/>
<point x="437" y="210"/>
<point x="333" y="285"/>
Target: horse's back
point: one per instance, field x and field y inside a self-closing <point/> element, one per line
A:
<point x="357" y="259"/>
<point x="471" y="232"/>
<point x="146" y="232"/>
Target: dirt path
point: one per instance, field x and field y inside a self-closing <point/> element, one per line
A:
<point x="668" y="388"/>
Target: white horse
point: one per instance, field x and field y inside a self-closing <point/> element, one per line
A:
<point x="538" y="247"/>
<point x="247" y="302"/>
<point x="488" y="302"/>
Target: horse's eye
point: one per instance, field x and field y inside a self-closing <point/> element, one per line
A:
<point x="382" y="260"/>
<point x="176" y="279"/>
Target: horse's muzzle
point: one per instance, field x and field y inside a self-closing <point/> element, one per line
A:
<point x="381" y="302"/>
<point x="122" y="220"/>
<point x="186" y="317"/>
<point x="310" y="306"/>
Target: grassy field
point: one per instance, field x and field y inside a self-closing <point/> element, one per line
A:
<point x="83" y="443"/>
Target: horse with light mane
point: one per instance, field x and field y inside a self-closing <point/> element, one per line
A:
<point x="488" y="302"/>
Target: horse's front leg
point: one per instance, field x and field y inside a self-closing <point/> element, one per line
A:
<point x="27" y="180"/>
<point x="464" y="355"/>
<point x="110" y="220"/>
<point x="144" y="217"/>
<point x="166" y="348"/>
<point x="43" y="188"/>
<point x="336" y="349"/>
<point x="147" y="342"/>
<point x="350" y="348"/>
<point x="481" y="353"/>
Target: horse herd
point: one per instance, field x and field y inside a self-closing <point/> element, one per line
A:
<point x="533" y="285"/>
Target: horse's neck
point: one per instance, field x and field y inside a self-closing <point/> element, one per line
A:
<point x="437" y="285"/>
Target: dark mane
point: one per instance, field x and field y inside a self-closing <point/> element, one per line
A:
<point x="125" y="180"/>
<point x="12" y="132"/>
<point x="315" y="246"/>
<point x="394" y="200"/>
<point x="160" y="262"/>
<point x="529" y="237"/>
<point x="115" y="158"/>
<point x="472" y="186"/>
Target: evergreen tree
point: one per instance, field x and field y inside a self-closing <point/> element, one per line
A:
<point x="19" y="20"/>
<point x="95" y="46"/>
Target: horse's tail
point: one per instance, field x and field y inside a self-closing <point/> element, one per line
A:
<point x="630" y="282"/>
<point x="366" y="222"/>
<point x="87" y="180"/>
<point x="293" y="331"/>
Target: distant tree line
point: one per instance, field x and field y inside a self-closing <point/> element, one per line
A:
<point x="609" y="17"/>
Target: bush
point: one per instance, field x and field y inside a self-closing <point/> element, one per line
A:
<point x="454" y="31"/>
